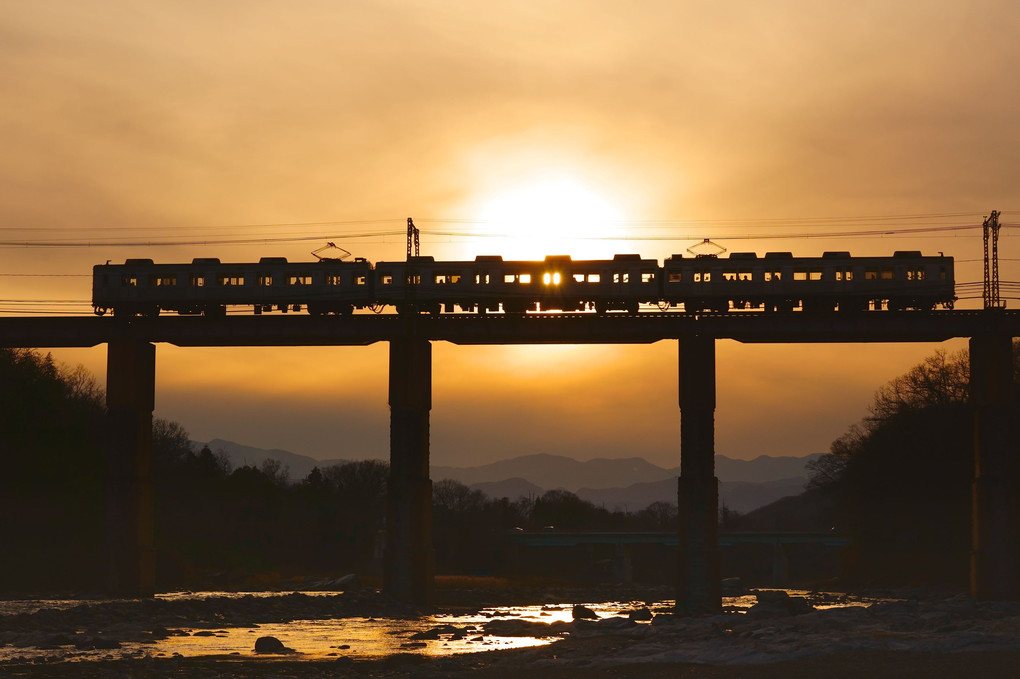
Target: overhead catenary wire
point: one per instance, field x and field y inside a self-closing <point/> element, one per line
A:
<point x="119" y="242"/>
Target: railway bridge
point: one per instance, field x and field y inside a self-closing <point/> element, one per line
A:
<point x="408" y="572"/>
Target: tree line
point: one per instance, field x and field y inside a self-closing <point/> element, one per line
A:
<point x="898" y="482"/>
<point x="222" y="526"/>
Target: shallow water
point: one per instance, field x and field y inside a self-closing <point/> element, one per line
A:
<point x="351" y="637"/>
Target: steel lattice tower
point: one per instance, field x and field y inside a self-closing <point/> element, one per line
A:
<point x="991" y="289"/>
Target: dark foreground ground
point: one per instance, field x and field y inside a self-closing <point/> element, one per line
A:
<point x="931" y="636"/>
<point x="852" y="665"/>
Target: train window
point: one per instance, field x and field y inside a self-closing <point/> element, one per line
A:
<point x="647" y="276"/>
<point x="197" y="281"/>
<point x="702" y="277"/>
<point x="156" y="281"/>
<point x="129" y="281"/>
<point x="621" y="277"/>
<point x="525" y="278"/>
<point x="773" y="276"/>
<point x="265" y="279"/>
<point x="444" y="278"/>
<point x="386" y="278"/>
<point x="509" y="278"/>
<point x="799" y="275"/>
<point x="360" y="280"/>
<point x="439" y="278"/>
<point x="228" y="279"/>
<point x="915" y="274"/>
<point x="481" y="279"/>
<point x="579" y="278"/>
<point x="729" y="275"/>
<point x="942" y="274"/>
<point x="743" y="275"/>
<point x="675" y="277"/>
<point x="412" y="279"/>
<point x="844" y="274"/>
<point x="594" y="278"/>
<point x="299" y="279"/>
<point x="871" y="274"/>
<point x="887" y="273"/>
<point x="815" y="275"/>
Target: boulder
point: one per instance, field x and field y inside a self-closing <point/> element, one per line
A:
<point x="640" y="615"/>
<point x="271" y="645"/>
<point x="777" y="603"/>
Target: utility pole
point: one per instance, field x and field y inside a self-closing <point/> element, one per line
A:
<point x="412" y="239"/>
<point x="991" y="233"/>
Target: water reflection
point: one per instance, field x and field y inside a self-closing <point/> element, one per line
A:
<point x="361" y="637"/>
<point x="366" y="637"/>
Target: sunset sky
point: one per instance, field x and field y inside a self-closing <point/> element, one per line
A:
<point x="517" y="128"/>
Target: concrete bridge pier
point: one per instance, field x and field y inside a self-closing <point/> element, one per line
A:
<point x="995" y="555"/>
<point x="130" y="540"/>
<point x="699" y="588"/>
<point x="409" y="561"/>
<point x="780" y="565"/>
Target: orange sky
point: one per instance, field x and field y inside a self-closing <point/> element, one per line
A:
<point x="530" y="125"/>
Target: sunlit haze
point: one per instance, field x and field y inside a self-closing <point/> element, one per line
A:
<point x="247" y="129"/>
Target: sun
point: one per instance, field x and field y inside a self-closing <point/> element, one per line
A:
<point x="550" y="215"/>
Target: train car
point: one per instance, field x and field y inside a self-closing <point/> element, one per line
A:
<point x="208" y="286"/>
<point x="835" y="281"/>
<point x="421" y="284"/>
<point x="778" y="281"/>
<point x="490" y="284"/>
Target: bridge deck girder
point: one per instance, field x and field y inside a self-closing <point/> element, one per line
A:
<point x="644" y="328"/>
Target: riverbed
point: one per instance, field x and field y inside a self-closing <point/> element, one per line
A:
<point x="487" y="629"/>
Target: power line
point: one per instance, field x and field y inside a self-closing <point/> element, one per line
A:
<point x="113" y="242"/>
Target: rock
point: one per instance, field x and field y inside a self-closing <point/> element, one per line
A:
<point x="584" y="613"/>
<point x="436" y="633"/>
<point x="88" y="643"/>
<point x="640" y="615"/>
<point x="777" y="603"/>
<point x="271" y="645"/>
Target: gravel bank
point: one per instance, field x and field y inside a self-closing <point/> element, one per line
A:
<point x="781" y="636"/>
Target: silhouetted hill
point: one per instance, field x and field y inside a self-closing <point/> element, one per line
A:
<point x="809" y="511"/>
<point x="740" y="496"/>
<point x="298" y="466"/>
<point x="762" y="468"/>
<point x="508" y="488"/>
<point x="631" y="482"/>
<point x="556" y="471"/>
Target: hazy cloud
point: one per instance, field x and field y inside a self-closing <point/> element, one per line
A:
<point x="194" y="119"/>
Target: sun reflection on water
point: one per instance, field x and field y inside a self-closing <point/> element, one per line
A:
<point x="360" y="637"/>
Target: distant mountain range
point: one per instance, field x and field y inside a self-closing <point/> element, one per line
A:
<point x="627" y="483"/>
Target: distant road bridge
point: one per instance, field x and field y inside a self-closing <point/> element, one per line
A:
<point x="408" y="570"/>
<point x="622" y="542"/>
